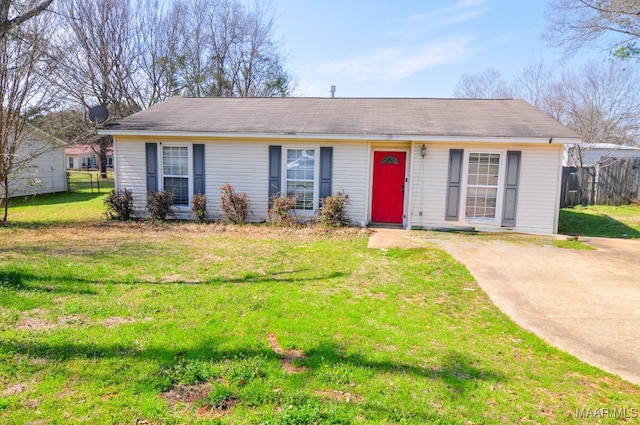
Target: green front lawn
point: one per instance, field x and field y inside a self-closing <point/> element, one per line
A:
<point x="601" y="220"/>
<point x="125" y="323"/>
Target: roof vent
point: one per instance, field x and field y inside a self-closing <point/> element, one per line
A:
<point x="333" y="91"/>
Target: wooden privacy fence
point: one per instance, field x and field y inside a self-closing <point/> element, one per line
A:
<point x="617" y="183"/>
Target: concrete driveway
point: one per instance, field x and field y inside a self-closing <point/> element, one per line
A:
<point x="586" y="303"/>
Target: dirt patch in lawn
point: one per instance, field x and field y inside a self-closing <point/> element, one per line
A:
<point x="198" y="395"/>
<point x="341" y="396"/>
<point x="187" y="394"/>
<point x="37" y="322"/>
<point x="15" y="389"/>
<point x="111" y="322"/>
<point x="287" y="357"/>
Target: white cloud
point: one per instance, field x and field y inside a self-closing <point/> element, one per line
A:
<point x="395" y="63"/>
<point x="458" y="12"/>
<point x="429" y="22"/>
<point x="413" y="44"/>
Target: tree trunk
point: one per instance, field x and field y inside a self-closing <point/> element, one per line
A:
<point x="104" y="145"/>
<point x="5" y="198"/>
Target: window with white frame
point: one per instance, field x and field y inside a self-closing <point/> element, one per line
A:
<point x="70" y="162"/>
<point x="482" y="185"/>
<point x="300" y="178"/>
<point x="175" y="170"/>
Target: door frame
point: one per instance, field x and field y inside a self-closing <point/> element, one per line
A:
<point x="407" y="166"/>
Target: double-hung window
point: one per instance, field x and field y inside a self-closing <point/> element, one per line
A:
<point x="300" y="178"/>
<point x="482" y="185"/>
<point x="175" y="170"/>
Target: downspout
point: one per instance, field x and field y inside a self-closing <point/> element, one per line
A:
<point x="556" y="215"/>
<point x="408" y="186"/>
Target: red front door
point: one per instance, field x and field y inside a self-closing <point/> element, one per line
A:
<point x="387" y="204"/>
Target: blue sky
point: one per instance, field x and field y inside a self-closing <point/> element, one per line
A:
<point x="406" y="48"/>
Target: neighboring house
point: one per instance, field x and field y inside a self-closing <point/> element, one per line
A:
<point x="587" y="155"/>
<point x="42" y="169"/>
<point x="419" y="163"/>
<point x="84" y="157"/>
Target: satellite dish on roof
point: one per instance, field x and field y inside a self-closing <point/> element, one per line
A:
<point x="98" y="114"/>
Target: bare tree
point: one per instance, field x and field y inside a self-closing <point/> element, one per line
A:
<point x="533" y="83"/>
<point x="97" y="40"/>
<point x="156" y="38"/>
<point x="612" y="24"/>
<point x="14" y="12"/>
<point x="604" y="106"/>
<point x="228" y="49"/>
<point x="24" y="37"/>
<point x="488" y="84"/>
<point x="128" y="55"/>
<point x="600" y="101"/>
<point x="541" y="85"/>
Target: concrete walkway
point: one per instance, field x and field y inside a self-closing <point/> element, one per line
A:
<point x="586" y="303"/>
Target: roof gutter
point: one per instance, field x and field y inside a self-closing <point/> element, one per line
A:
<point x="371" y="137"/>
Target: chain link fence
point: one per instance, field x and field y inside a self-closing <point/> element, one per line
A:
<point x="88" y="182"/>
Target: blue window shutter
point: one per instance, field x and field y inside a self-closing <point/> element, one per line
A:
<point x="152" y="166"/>
<point x="275" y="169"/>
<point x="198" y="169"/>
<point x="454" y="184"/>
<point x="511" y="189"/>
<point x="326" y="170"/>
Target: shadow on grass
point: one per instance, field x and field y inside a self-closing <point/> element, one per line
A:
<point x="456" y="370"/>
<point x="28" y="281"/>
<point x="576" y="223"/>
<point x="17" y="280"/>
<point x="55" y="198"/>
<point x="52" y="224"/>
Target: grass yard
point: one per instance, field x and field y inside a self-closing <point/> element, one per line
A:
<point x="601" y="220"/>
<point x="125" y="323"/>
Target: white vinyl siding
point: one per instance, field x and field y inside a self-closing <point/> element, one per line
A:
<point x="538" y="189"/>
<point x="428" y="181"/>
<point x="350" y="175"/>
<point x="131" y="169"/>
<point x="45" y="173"/>
<point x="244" y="165"/>
<point x="537" y="206"/>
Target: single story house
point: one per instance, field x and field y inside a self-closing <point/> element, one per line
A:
<point x="419" y="163"/>
<point x="85" y="157"/>
<point x="39" y="164"/>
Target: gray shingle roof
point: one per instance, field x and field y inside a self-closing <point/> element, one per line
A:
<point x="509" y="118"/>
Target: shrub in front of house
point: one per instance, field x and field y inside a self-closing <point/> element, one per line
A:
<point x="159" y="204"/>
<point x="282" y="210"/>
<point x="333" y="211"/>
<point x="235" y="205"/>
<point x="199" y="207"/>
<point x="119" y="205"/>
